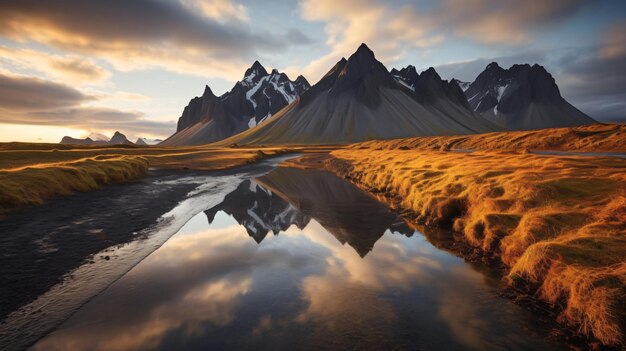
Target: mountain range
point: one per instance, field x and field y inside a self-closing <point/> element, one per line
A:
<point x="522" y="97"/>
<point x="359" y="99"/>
<point x="252" y="100"/>
<point x="117" y="139"/>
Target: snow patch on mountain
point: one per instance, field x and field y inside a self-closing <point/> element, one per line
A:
<point x="463" y="85"/>
<point x="254" y="99"/>
<point x="401" y="81"/>
<point x="501" y="89"/>
<point x="522" y="97"/>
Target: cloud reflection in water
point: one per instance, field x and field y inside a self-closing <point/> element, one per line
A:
<point x="324" y="281"/>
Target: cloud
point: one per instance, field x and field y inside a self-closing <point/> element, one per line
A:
<point x="596" y="83"/>
<point x="505" y="21"/>
<point x="27" y="94"/>
<point x="67" y="67"/>
<point x="93" y="119"/>
<point x="614" y="41"/>
<point x="96" y="119"/>
<point x="391" y="29"/>
<point x="141" y="34"/>
<point x="591" y="78"/>
<point x="348" y="23"/>
<point x="27" y="100"/>
<point x="219" y="9"/>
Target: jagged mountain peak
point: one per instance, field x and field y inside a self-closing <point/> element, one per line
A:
<point x="301" y="80"/>
<point x="361" y="61"/>
<point x="251" y="101"/>
<point x="359" y="99"/>
<point x="430" y="73"/>
<point x="363" y="51"/>
<point x="493" y="66"/>
<point x="429" y="87"/>
<point x="256" y="69"/>
<point x="408" y="74"/>
<point x="208" y="92"/>
<point x="363" y="74"/>
<point x="463" y="85"/>
<point x="522" y="97"/>
<point x="410" y="69"/>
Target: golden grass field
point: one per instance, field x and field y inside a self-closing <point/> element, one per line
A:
<point x="557" y="223"/>
<point x="32" y="173"/>
<point x="590" y="138"/>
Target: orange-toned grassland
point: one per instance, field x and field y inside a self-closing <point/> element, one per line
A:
<point x="590" y="138"/>
<point x="557" y="223"/>
<point x="32" y="173"/>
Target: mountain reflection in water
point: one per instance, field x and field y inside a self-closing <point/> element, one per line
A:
<point x="211" y="287"/>
<point x="289" y="196"/>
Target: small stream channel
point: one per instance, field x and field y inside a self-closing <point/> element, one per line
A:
<point x="269" y="258"/>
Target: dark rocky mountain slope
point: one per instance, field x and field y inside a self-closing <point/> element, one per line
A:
<point x="522" y="97"/>
<point x="358" y="99"/>
<point x="252" y="100"/>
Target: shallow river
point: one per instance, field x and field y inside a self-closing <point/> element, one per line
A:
<point x="293" y="259"/>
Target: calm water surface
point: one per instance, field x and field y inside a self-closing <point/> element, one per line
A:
<point x="299" y="260"/>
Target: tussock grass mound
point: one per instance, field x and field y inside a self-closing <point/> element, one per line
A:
<point x="33" y="185"/>
<point x="558" y="223"/>
<point x="31" y="173"/>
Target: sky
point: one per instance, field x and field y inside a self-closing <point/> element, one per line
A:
<point x="77" y="67"/>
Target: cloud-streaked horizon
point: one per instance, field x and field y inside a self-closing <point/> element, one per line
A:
<point x="98" y="66"/>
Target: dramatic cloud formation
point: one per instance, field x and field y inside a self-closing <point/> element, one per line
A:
<point x="614" y="41"/>
<point x="92" y="64"/>
<point x="25" y="93"/>
<point x="219" y="9"/>
<point x="596" y="80"/>
<point x="26" y="100"/>
<point x="100" y="118"/>
<point x="592" y="79"/>
<point x="196" y="37"/>
<point x="348" y="23"/>
<point x="391" y="31"/>
<point x="506" y="21"/>
<point x="67" y="67"/>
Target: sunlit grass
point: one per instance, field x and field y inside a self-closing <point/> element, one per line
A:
<point x="591" y="138"/>
<point x="557" y="222"/>
<point x="32" y="173"/>
<point x="32" y="185"/>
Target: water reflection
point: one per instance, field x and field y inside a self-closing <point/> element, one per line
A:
<point x="211" y="287"/>
<point x="259" y="211"/>
<point x="287" y="196"/>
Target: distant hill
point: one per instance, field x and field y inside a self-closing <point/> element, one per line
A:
<point x="117" y="139"/>
<point x="146" y="141"/>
